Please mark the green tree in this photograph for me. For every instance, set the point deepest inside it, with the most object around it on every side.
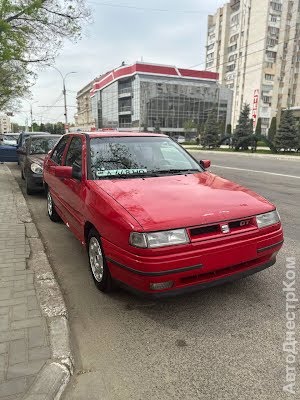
(189, 126)
(31, 33)
(243, 129)
(14, 82)
(49, 127)
(272, 130)
(258, 127)
(42, 127)
(228, 130)
(287, 134)
(210, 136)
(222, 132)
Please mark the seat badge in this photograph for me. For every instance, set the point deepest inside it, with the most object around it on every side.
(225, 228)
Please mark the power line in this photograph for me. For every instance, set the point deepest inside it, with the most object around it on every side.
(145, 8)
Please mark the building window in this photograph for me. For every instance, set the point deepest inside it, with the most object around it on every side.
(210, 56)
(211, 46)
(269, 77)
(230, 67)
(232, 48)
(274, 18)
(276, 6)
(267, 99)
(273, 31)
(235, 19)
(209, 64)
(269, 65)
(265, 121)
(232, 57)
(271, 54)
(234, 38)
(272, 42)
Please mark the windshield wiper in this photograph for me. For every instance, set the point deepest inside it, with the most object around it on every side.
(176, 171)
(129, 176)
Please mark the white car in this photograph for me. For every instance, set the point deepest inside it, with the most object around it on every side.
(180, 139)
(9, 140)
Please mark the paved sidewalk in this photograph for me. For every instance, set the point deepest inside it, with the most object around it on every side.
(25, 331)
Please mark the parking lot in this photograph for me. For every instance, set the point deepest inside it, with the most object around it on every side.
(221, 343)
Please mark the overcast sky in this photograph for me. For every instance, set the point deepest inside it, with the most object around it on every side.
(161, 31)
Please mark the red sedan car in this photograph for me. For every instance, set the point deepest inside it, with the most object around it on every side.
(154, 219)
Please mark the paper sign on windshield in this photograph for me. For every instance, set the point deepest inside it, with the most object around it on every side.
(115, 172)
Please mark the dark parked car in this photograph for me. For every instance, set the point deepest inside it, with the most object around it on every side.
(35, 149)
(21, 142)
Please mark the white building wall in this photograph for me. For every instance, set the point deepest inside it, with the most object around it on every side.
(5, 124)
(257, 54)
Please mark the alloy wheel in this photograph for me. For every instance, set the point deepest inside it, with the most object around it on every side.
(96, 259)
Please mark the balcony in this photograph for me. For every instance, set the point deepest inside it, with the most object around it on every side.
(125, 92)
(125, 110)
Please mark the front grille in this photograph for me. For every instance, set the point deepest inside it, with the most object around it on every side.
(215, 230)
(205, 230)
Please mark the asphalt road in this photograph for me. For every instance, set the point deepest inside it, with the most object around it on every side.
(223, 343)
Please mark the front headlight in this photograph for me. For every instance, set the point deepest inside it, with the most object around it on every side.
(267, 219)
(159, 239)
(36, 168)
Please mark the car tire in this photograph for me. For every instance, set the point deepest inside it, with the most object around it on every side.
(29, 189)
(98, 265)
(52, 214)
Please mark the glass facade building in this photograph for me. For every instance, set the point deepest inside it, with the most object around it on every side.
(152, 97)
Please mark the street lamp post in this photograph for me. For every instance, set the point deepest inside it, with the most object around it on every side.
(31, 113)
(64, 92)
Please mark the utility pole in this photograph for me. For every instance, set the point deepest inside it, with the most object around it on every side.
(64, 93)
(31, 118)
(65, 102)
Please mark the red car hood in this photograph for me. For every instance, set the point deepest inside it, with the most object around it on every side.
(182, 201)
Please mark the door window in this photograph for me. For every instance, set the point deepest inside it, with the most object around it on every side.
(74, 153)
(59, 150)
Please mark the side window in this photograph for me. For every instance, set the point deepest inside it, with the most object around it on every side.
(59, 150)
(74, 153)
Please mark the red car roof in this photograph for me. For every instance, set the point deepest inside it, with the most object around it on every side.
(120, 134)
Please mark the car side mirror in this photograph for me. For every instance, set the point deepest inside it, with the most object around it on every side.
(63, 172)
(76, 172)
(205, 164)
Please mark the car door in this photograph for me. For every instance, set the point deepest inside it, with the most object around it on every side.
(55, 184)
(74, 188)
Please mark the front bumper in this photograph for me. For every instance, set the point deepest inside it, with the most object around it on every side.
(204, 285)
(35, 181)
(194, 266)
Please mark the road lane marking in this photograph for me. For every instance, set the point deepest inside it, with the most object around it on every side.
(256, 171)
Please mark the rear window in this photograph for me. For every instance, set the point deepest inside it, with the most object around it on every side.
(42, 145)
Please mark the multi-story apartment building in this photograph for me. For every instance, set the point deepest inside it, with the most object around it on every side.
(5, 124)
(151, 96)
(254, 45)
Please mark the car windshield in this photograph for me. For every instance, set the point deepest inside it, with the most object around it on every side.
(42, 145)
(11, 137)
(125, 157)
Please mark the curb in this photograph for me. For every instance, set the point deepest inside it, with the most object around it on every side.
(52, 379)
(253, 155)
